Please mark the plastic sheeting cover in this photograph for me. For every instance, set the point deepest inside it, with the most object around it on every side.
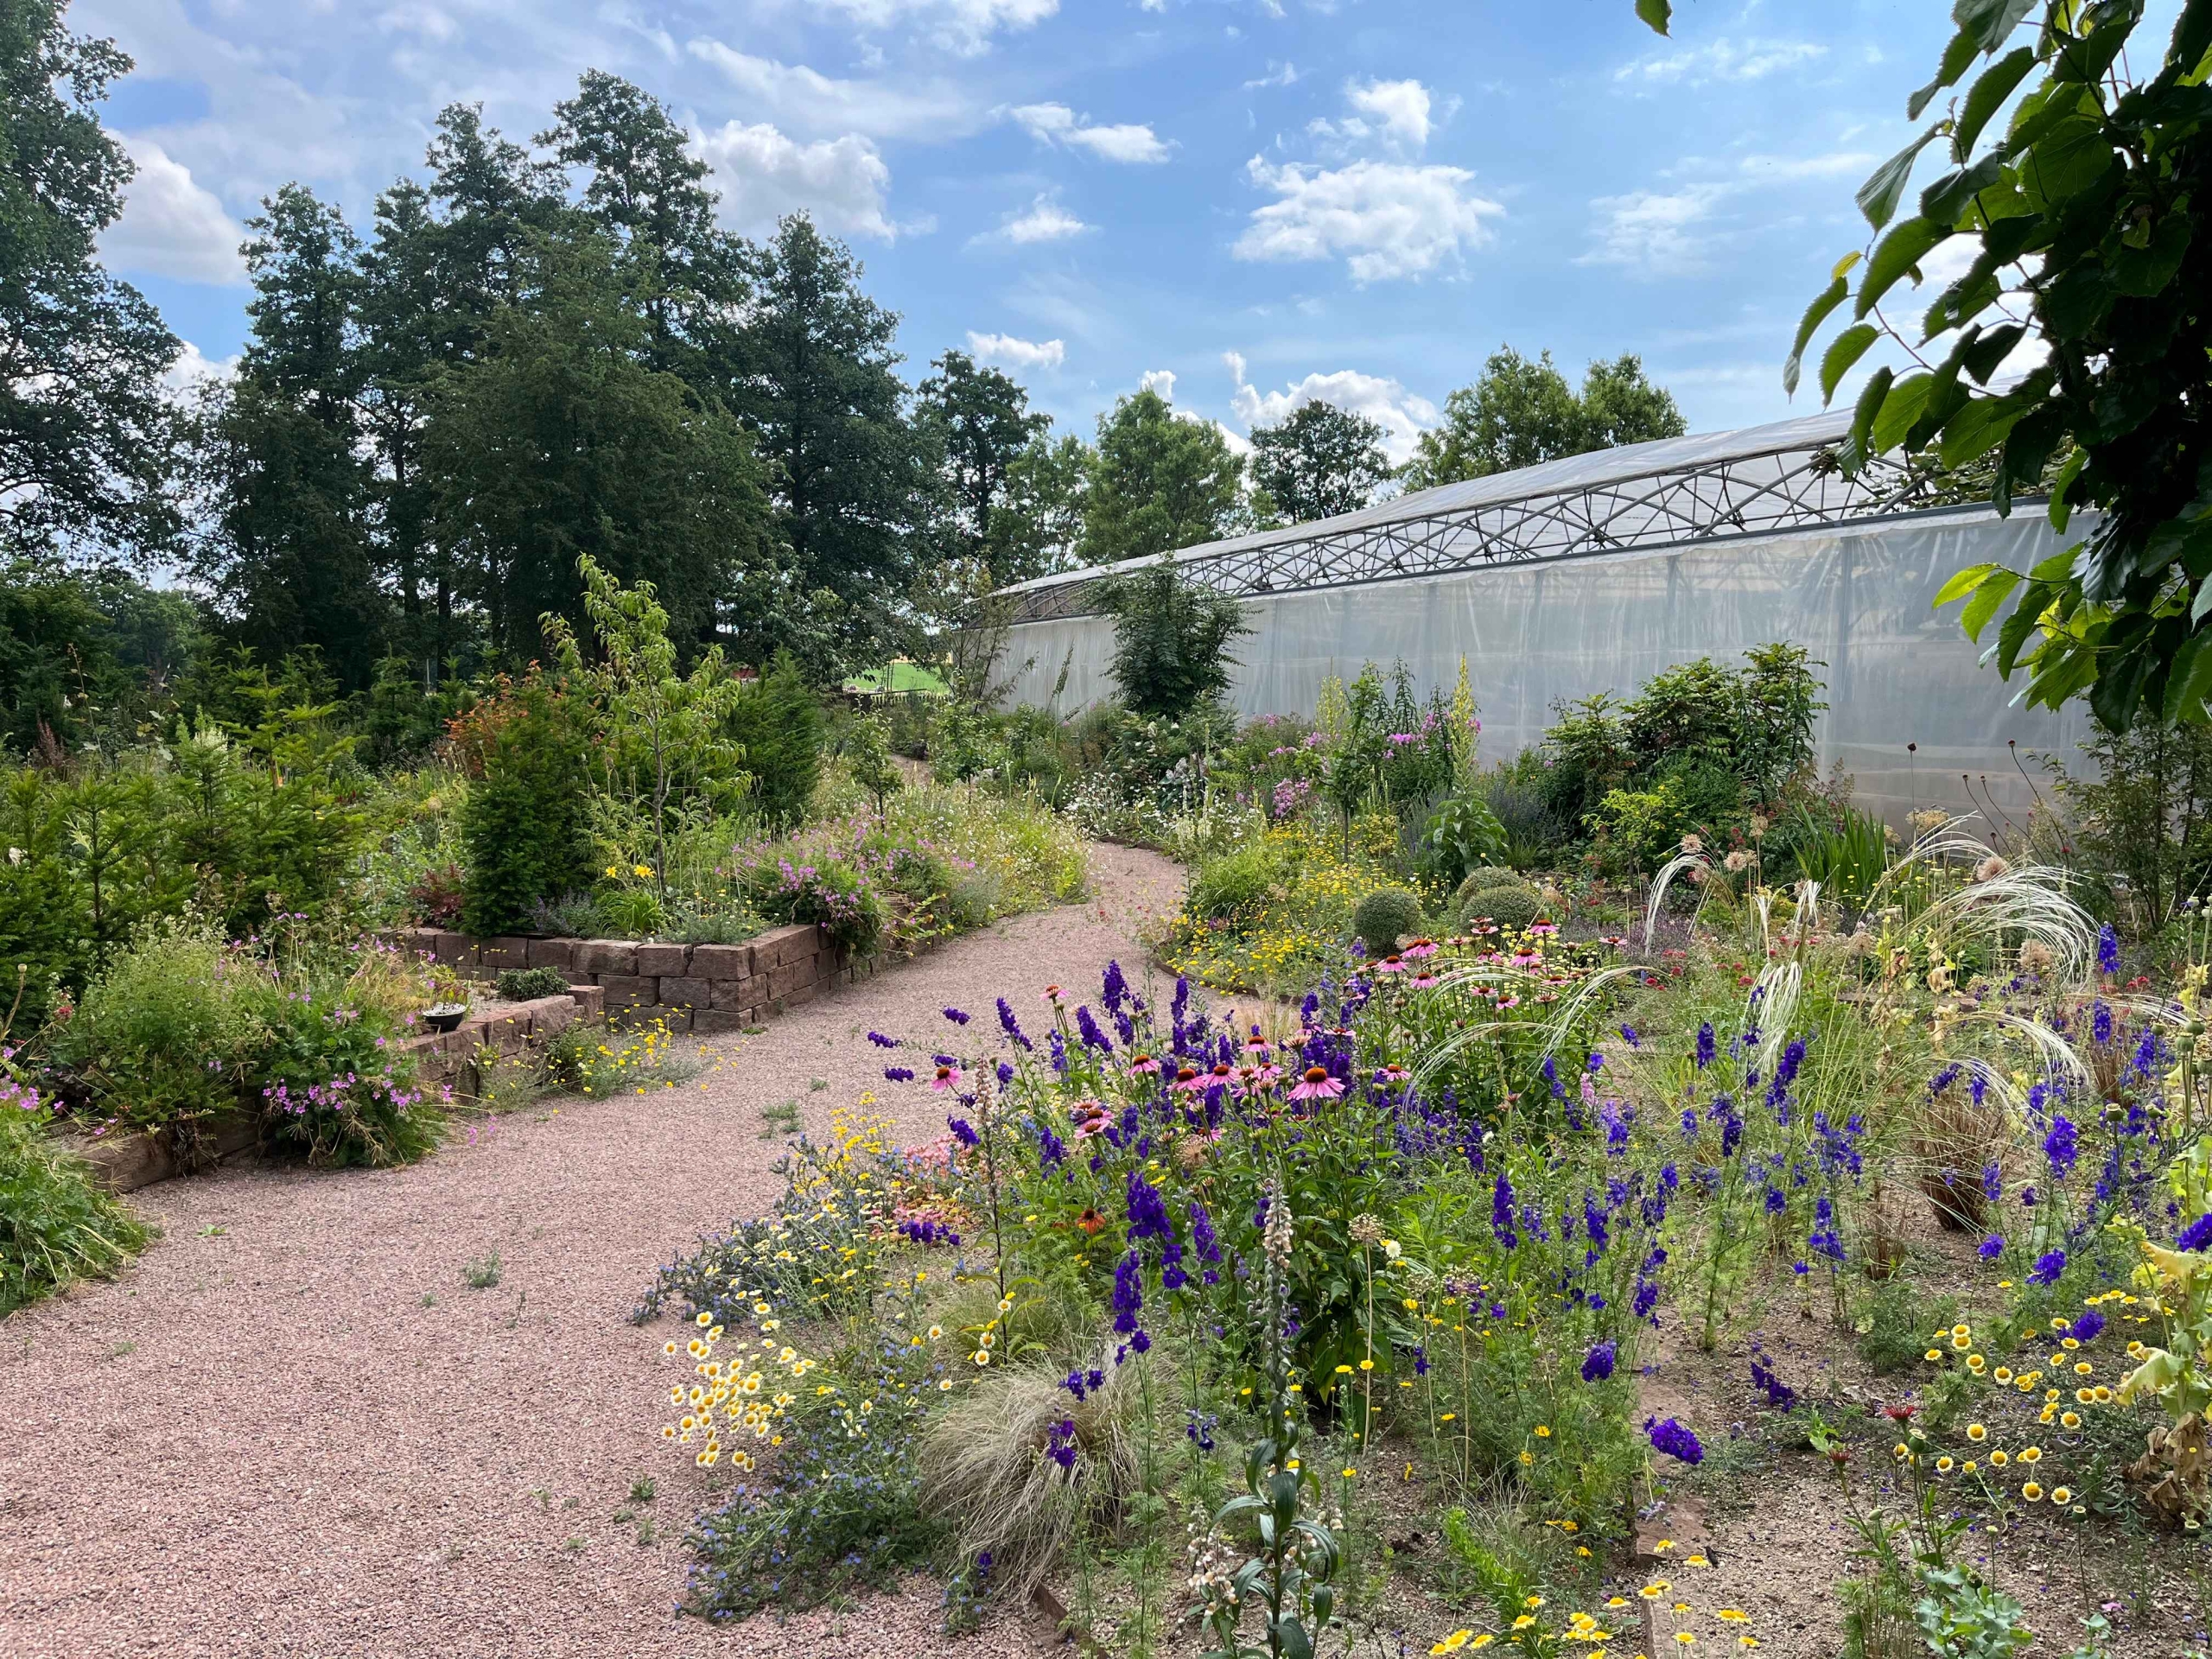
(1914, 716)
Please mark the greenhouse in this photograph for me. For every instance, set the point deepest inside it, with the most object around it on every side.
(1591, 573)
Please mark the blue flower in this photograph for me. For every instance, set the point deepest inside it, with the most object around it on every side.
(1086, 1026)
(1705, 1050)
(2196, 1236)
(1674, 1440)
(1598, 1363)
(1501, 1212)
(2062, 1147)
(2088, 1328)
(1129, 1293)
(2107, 950)
(1115, 986)
(1202, 1234)
(963, 1132)
(1629, 1036)
(1008, 1024)
(2047, 1268)
(956, 1016)
(898, 1074)
(1779, 1394)
(1992, 1247)
(882, 1041)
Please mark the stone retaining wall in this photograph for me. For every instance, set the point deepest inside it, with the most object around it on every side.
(707, 987)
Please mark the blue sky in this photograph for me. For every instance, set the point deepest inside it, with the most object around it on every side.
(1263, 199)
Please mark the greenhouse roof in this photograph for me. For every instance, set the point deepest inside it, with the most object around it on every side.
(1755, 479)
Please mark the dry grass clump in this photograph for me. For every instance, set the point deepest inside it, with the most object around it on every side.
(986, 1468)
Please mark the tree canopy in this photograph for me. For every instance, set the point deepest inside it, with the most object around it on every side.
(87, 441)
(1518, 413)
(1157, 482)
(1319, 461)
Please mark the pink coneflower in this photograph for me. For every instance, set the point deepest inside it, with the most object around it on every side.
(1144, 1064)
(948, 1077)
(1255, 1043)
(1422, 981)
(1187, 1080)
(1094, 1124)
(1317, 1084)
(1392, 1075)
(1542, 928)
(1220, 1073)
(1508, 1002)
(1052, 995)
(1421, 948)
(1391, 964)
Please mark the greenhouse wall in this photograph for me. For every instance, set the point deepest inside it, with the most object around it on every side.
(1914, 717)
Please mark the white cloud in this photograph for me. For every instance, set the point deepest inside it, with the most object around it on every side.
(1680, 232)
(1043, 220)
(1652, 234)
(1017, 353)
(1056, 123)
(1722, 60)
(1401, 414)
(193, 369)
(427, 23)
(963, 26)
(1390, 218)
(171, 225)
(763, 174)
(1159, 381)
(796, 96)
(1278, 74)
(1399, 107)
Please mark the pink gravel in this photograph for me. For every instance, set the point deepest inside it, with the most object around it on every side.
(292, 1429)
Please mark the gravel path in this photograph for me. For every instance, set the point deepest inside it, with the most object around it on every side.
(294, 1429)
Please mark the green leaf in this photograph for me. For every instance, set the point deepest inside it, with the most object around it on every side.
(1815, 315)
(1982, 359)
(2188, 681)
(2061, 510)
(2193, 34)
(1987, 598)
(2055, 569)
(1899, 410)
(2077, 302)
(1946, 201)
(1989, 21)
(1862, 417)
(2014, 636)
(1977, 429)
(1899, 252)
(1657, 13)
(2065, 161)
(2146, 270)
(1965, 582)
(1956, 55)
(1885, 186)
(1987, 95)
(1846, 349)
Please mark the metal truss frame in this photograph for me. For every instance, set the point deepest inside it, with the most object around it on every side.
(1799, 486)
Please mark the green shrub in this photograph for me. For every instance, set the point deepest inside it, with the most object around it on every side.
(1462, 833)
(523, 824)
(1482, 880)
(1171, 639)
(1384, 915)
(55, 1225)
(326, 1082)
(525, 984)
(1237, 884)
(163, 1037)
(778, 721)
(1514, 906)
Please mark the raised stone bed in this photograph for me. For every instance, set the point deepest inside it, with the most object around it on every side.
(706, 988)
(125, 1163)
(450, 1056)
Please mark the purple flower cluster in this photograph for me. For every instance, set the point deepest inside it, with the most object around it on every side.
(1673, 1439)
(1598, 1363)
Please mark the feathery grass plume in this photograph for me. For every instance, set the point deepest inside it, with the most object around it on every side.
(1672, 868)
(985, 1465)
